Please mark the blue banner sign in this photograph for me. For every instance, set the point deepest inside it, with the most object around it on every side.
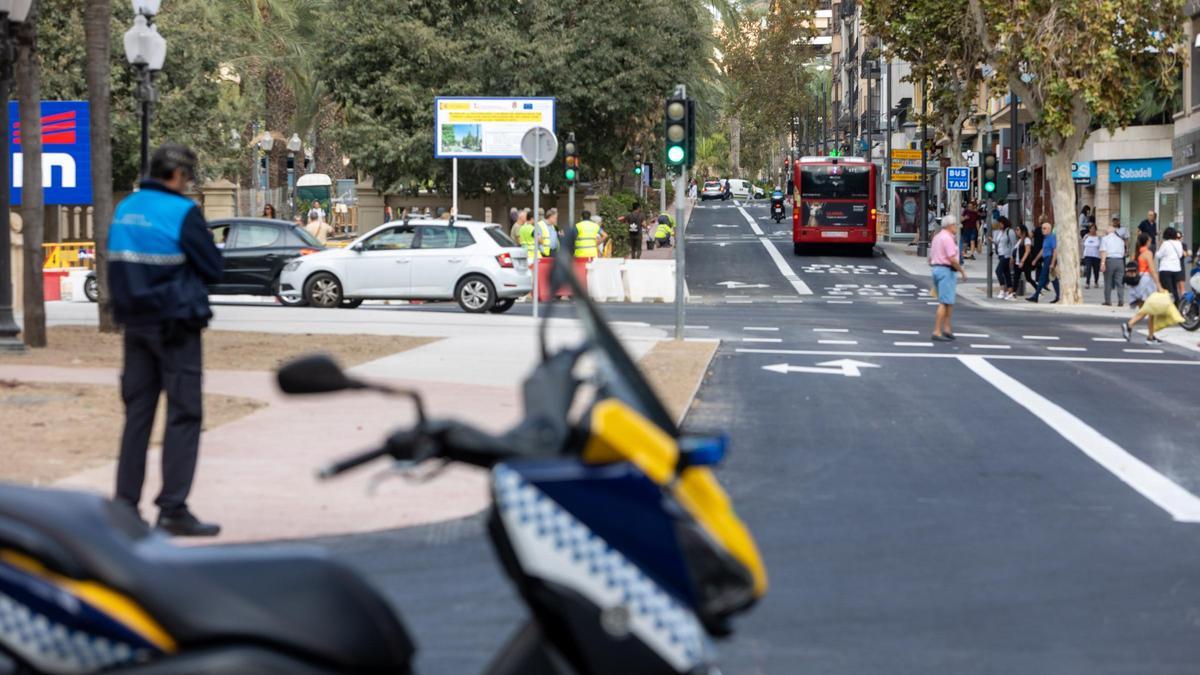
(66, 153)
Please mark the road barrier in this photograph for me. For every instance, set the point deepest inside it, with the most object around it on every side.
(69, 254)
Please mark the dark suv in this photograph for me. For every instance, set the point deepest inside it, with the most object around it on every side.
(255, 250)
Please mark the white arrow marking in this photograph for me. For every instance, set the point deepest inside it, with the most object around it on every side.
(846, 367)
(737, 284)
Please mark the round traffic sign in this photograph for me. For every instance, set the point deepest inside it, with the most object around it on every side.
(538, 147)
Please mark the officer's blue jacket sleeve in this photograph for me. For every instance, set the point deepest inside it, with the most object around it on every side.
(197, 243)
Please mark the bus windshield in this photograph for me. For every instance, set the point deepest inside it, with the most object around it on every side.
(835, 181)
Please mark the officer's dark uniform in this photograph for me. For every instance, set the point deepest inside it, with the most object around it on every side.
(161, 255)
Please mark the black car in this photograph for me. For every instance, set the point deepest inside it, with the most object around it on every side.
(255, 251)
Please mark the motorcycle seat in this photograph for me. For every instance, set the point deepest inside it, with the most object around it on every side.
(293, 598)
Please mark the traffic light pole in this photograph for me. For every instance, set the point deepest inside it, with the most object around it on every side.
(570, 206)
(680, 230)
(991, 242)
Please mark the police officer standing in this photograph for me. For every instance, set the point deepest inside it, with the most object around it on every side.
(161, 255)
(587, 238)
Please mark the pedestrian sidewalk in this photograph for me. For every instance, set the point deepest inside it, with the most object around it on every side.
(974, 289)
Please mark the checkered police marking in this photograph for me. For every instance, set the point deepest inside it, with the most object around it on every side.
(553, 545)
(52, 647)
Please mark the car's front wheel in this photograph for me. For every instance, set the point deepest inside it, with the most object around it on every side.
(91, 288)
(475, 294)
(323, 290)
(502, 306)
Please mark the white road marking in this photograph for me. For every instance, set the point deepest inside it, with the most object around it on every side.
(837, 342)
(739, 302)
(1066, 349)
(789, 302)
(736, 297)
(933, 303)
(1108, 340)
(990, 347)
(1038, 337)
(982, 336)
(997, 357)
(902, 332)
(831, 330)
(1183, 506)
(890, 302)
(784, 269)
(839, 302)
(762, 328)
(1142, 351)
(755, 339)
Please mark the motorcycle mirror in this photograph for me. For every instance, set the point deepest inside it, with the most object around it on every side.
(314, 374)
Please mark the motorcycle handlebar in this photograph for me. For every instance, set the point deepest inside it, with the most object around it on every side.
(453, 441)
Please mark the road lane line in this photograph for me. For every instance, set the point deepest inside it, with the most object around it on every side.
(890, 302)
(797, 283)
(982, 336)
(913, 344)
(754, 339)
(739, 302)
(901, 332)
(1108, 340)
(831, 330)
(837, 342)
(1183, 506)
(761, 328)
(1038, 337)
(1066, 349)
(990, 346)
(996, 357)
(789, 302)
(839, 302)
(1142, 351)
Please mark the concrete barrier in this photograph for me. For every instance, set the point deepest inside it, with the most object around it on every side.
(606, 280)
(650, 280)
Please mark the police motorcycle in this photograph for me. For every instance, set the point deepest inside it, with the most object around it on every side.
(1189, 303)
(605, 516)
(777, 205)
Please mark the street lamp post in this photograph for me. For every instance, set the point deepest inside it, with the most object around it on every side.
(265, 143)
(293, 146)
(11, 12)
(146, 51)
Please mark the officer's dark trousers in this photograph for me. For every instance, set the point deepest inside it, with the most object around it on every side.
(157, 359)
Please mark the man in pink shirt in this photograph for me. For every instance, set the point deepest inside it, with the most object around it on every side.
(943, 260)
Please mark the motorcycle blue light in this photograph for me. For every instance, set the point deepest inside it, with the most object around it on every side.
(703, 450)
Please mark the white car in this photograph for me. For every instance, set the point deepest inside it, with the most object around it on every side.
(711, 190)
(474, 263)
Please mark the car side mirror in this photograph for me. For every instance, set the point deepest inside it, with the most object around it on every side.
(357, 247)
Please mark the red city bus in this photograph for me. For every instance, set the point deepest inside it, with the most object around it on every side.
(834, 202)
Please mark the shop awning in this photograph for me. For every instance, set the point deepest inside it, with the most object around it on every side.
(1182, 172)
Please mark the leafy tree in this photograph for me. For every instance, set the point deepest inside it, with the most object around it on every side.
(949, 65)
(1077, 64)
(712, 155)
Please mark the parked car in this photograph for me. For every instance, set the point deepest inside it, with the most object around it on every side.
(712, 190)
(473, 263)
(255, 251)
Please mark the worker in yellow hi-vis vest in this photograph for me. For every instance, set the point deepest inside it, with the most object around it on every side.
(587, 238)
(526, 239)
(664, 231)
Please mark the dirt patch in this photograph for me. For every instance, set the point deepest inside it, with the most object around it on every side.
(675, 370)
(85, 347)
(54, 430)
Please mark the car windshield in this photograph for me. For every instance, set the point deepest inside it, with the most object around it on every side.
(500, 237)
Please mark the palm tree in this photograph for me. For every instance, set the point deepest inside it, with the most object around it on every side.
(96, 17)
(29, 94)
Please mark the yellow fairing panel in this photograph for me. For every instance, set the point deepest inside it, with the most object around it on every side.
(119, 607)
(620, 434)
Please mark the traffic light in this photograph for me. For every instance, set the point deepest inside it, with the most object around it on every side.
(679, 127)
(989, 173)
(571, 159)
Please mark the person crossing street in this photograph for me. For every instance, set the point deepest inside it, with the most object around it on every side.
(161, 254)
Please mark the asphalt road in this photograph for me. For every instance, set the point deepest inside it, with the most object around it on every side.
(1021, 500)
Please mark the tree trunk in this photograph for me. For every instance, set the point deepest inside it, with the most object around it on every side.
(954, 197)
(1062, 192)
(96, 17)
(280, 115)
(29, 95)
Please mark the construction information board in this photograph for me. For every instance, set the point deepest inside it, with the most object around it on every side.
(487, 128)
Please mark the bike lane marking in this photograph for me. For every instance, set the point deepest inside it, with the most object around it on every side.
(797, 283)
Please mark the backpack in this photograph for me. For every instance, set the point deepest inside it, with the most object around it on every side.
(1132, 276)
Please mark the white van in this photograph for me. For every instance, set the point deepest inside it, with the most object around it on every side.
(744, 189)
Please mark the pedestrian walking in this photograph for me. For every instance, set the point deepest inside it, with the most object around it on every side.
(943, 262)
(1150, 227)
(519, 218)
(316, 210)
(1112, 264)
(970, 230)
(1004, 242)
(269, 212)
(1085, 216)
(633, 221)
(160, 256)
(1170, 260)
(1091, 257)
(388, 215)
(1022, 258)
(1047, 261)
(319, 229)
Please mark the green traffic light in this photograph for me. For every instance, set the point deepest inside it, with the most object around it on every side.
(637, 170)
(989, 186)
(570, 174)
(675, 154)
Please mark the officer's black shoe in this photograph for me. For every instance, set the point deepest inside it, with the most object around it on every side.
(185, 524)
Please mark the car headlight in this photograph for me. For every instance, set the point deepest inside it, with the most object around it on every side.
(292, 266)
